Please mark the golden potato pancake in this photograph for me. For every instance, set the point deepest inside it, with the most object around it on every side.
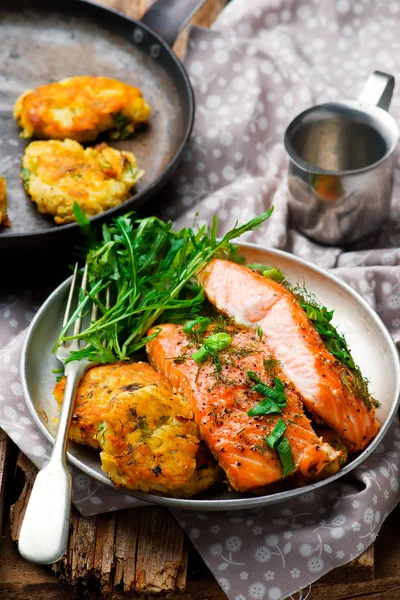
(4, 221)
(98, 386)
(149, 442)
(81, 108)
(147, 434)
(58, 174)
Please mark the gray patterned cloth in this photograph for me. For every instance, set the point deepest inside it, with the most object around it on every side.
(262, 63)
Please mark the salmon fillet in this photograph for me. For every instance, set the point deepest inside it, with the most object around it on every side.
(221, 400)
(322, 381)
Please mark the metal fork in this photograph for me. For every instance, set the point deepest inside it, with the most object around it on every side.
(44, 533)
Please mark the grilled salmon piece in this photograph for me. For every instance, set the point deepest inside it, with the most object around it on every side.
(221, 400)
(325, 384)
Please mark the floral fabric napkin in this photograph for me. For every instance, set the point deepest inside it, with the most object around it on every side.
(262, 63)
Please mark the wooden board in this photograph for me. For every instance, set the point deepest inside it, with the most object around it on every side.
(139, 552)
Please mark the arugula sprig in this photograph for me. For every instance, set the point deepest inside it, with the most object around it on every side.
(149, 270)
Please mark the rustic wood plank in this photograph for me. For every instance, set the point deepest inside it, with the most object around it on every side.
(359, 569)
(161, 555)
(379, 589)
(104, 553)
(111, 550)
(76, 567)
(5, 445)
(125, 549)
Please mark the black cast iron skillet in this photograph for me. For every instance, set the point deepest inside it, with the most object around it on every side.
(44, 41)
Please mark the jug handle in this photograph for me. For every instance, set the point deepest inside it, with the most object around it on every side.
(378, 90)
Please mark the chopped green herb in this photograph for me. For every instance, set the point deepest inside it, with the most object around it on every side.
(274, 437)
(260, 448)
(266, 407)
(123, 125)
(271, 272)
(286, 456)
(256, 267)
(25, 176)
(101, 430)
(201, 355)
(220, 323)
(182, 358)
(260, 333)
(133, 171)
(196, 326)
(142, 424)
(212, 345)
(274, 274)
(218, 342)
(277, 393)
(275, 398)
(59, 377)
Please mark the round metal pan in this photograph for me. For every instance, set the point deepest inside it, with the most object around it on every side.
(44, 41)
(369, 340)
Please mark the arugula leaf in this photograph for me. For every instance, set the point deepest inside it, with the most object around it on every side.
(149, 271)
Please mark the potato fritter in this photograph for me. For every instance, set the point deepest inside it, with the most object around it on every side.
(57, 174)
(149, 442)
(81, 108)
(3, 204)
(98, 386)
(147, 434)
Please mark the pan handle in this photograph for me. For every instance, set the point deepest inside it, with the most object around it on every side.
(168, 17)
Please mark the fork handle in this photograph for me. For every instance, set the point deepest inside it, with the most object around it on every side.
(44, 532)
